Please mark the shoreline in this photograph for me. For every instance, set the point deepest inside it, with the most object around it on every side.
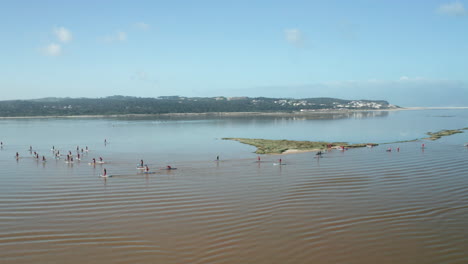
(240, 114)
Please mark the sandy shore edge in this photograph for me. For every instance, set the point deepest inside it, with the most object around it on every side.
(239, 114)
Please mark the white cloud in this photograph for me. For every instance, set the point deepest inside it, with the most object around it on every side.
(452, 9)
(52, 49)
(63, 35)
(142, 26)
(118, 36)
(404, 78)
(294, 36)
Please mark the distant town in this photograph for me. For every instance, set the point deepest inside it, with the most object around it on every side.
(124, 105)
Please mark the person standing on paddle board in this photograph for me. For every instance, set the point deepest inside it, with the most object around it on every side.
(146, 168)
(141, 163)
(105, 172)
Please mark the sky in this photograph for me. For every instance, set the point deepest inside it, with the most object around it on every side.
(411, 53)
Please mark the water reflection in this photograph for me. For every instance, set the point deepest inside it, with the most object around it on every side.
(257, 117)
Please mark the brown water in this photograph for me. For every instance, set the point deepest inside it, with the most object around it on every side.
(358, 206)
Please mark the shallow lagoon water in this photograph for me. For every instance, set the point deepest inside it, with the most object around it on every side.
(358, 206)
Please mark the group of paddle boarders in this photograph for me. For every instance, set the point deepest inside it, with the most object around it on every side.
(144, 167)
(140, 166)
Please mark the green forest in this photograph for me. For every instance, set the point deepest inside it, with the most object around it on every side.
(122, 105)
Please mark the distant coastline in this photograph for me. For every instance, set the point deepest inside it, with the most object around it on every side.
(118, 106)
(240, 114)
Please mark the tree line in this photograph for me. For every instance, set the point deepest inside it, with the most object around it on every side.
(122, 105)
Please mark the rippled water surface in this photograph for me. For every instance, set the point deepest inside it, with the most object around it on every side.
(357, 206)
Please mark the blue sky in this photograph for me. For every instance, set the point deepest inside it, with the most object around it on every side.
(408, 52)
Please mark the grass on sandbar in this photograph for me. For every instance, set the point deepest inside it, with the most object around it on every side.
(443, 133)
(267, 146)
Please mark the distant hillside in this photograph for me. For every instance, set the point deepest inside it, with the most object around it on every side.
(121, 105)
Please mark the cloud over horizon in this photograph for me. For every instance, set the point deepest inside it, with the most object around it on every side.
(294, 36)
(62, 34)
(452, 9)
(52, 49)
(142, 26)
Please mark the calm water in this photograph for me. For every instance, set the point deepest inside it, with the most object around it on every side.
(358, 206)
